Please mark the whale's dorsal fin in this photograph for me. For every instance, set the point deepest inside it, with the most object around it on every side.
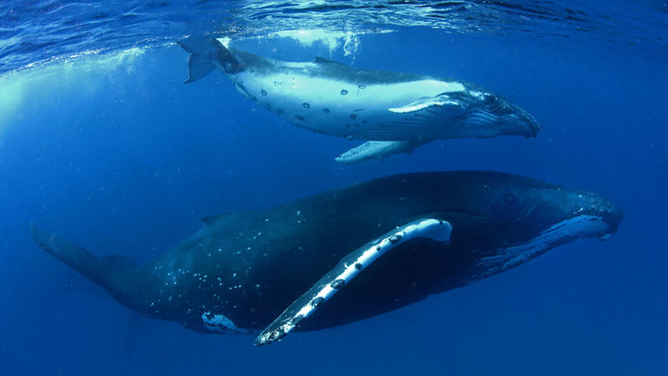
(322, 60)
(347, 269)
(209, 219)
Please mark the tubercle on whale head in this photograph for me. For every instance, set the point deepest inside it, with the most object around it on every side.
(516, 119)
(491, 115)
(562, 205)
(529, 208)
(534, 127)
(537, 217)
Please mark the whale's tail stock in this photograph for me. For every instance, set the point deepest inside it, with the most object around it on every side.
(98, 270)
(206, 55)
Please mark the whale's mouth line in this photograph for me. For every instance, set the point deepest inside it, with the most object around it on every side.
(566, 231)
(482, 117)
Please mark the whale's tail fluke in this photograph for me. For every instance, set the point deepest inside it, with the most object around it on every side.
(98, 270)
(206, 55)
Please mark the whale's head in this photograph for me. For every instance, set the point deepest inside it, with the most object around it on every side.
(496, 115)
(512, 219)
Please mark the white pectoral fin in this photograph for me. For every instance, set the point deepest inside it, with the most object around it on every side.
(378, 150)
(442, 101)
(347, 269)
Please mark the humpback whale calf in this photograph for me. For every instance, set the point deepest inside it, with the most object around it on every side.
(396, 112)
(346, 254)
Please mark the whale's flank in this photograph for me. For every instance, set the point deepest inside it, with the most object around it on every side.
(402, 109)
(240, 271)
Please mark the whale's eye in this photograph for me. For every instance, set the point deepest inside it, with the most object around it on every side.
(510, 198)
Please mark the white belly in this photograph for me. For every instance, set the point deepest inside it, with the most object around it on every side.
(342, 108)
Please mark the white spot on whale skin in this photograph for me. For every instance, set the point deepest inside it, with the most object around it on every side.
(221, 324)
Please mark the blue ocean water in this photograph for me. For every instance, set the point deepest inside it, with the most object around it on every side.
(101, 142)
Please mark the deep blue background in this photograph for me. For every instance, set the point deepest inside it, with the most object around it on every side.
(121, 157)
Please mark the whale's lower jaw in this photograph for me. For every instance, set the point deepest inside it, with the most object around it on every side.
(579, 227)
(379, 124)
(415, 132)
(385, 126)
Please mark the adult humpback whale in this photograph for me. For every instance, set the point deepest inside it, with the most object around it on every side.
(382, 244)
(397, 112)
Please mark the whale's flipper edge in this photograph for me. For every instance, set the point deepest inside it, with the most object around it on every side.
(348, 268)
(119, 262)
(378, 150)
(322, 60)
(441, 101)
(98, 270)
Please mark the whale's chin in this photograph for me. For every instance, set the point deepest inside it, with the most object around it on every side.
(564, 232)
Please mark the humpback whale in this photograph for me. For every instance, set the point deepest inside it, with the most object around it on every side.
(346, 254)
(396, 112)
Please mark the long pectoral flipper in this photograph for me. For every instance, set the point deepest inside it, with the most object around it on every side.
(378, 150)
(347, 269)
(442, 102)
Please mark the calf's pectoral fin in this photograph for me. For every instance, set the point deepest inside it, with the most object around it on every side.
(378, 150)
(347, 269)
(442, 102)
